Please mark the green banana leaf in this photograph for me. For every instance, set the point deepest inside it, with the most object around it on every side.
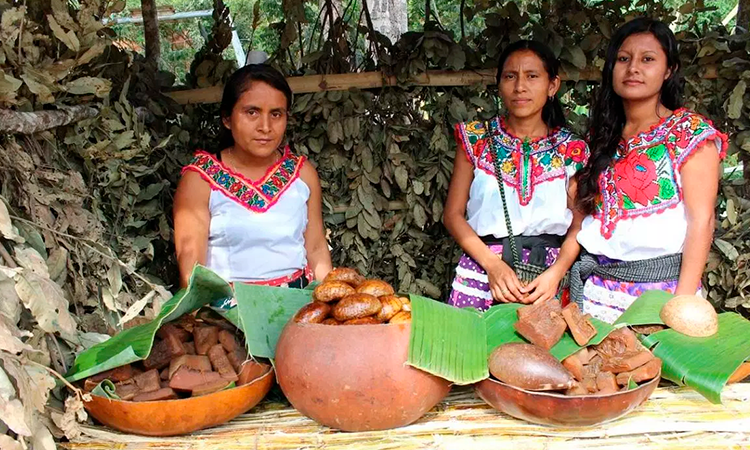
(645, 309)
(134, 344)
(704, 364)
(262, 313)
(455, 344)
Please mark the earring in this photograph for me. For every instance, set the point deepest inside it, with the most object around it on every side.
(551, 98)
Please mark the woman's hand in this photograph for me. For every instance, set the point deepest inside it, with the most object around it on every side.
(543, 287)
(504, 284)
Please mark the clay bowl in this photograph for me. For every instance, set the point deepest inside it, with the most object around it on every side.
(354, 377)
(175, 417)
(561, 410)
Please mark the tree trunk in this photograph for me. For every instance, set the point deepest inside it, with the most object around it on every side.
(389, 17)
(151, 32)
(743, 17)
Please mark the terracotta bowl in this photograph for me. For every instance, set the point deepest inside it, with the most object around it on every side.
(174, 417)
(562, 410)
(354, 377)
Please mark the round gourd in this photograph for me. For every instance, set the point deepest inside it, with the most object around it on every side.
(690, 315)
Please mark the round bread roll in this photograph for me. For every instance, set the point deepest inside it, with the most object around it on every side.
(345, 274)
(377, 288)
(391, 306)
(332, 290)
(314, 312)
(369, 320)
(401, 317)
(330, 321)
(356, 306)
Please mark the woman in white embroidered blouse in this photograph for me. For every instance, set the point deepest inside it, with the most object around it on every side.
(538, 158)
(650, 186)
(252, 212)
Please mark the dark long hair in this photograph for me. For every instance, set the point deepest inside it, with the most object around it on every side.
(238, 83)
(607, 117)
(552, 113)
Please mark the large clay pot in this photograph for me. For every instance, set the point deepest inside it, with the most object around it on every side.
(354, 377)
(561, 410)
(174, 417)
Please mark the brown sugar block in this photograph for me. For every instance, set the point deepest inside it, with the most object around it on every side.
(180, 333)
(251, 370)
(89, 385)
(589, 383)
(186, 379)
(578, 389)
(189, 348)
(574, 366)
(606, 381)
(648, 329)
(619, 342)
(648, 371)
(627, 362)
(148, 381)
(163, 352)
(115, 375)
(160, 394)
(200, 363)
(127, 389)
(236, 358)
(164, 374)
(221, 363)
(580, 327)
(541, 323)
(228, 341)
(210, 387)
(205, 338)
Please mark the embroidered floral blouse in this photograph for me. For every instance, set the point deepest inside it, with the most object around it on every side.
(535, 174)
(257, 228)
(640, 213)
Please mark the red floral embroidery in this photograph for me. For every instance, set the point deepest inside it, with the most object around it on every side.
(235, 188)
(635, 176)
(576, 151)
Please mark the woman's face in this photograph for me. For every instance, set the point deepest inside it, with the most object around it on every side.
(525, 85)
(640, 68)
(258, 120)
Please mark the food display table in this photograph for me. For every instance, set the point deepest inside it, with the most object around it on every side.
(673, 418)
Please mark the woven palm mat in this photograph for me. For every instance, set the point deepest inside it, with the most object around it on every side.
(673, 418)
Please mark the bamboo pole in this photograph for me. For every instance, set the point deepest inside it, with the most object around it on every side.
(373, 80)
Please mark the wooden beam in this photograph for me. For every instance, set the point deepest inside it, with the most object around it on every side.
(374, 80)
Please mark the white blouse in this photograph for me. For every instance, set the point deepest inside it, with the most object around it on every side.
(535, 174)
(257, 229)
(641, 213)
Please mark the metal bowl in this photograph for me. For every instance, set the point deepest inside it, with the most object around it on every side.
(354, 377)
(175, 417)
(562, 410)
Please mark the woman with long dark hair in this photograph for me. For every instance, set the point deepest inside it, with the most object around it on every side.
(535, 157)
(649, 188)
(252, 212)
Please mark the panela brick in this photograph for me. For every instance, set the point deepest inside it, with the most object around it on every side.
(618, 342)
(115, 375)
(186, 379)
(647, 371)
(627, 362)
(189, 348)
(574, 366)
(606, 382)
(228, 341)
(580, 327)
(221, 363)
(210, 387)
(236, 358)
(161, 394)
(163, 352)
(180, 333)
(251, 370)
(127, 389)
(205, 338)
(541, 323)
(148, 381)
(196, 362)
